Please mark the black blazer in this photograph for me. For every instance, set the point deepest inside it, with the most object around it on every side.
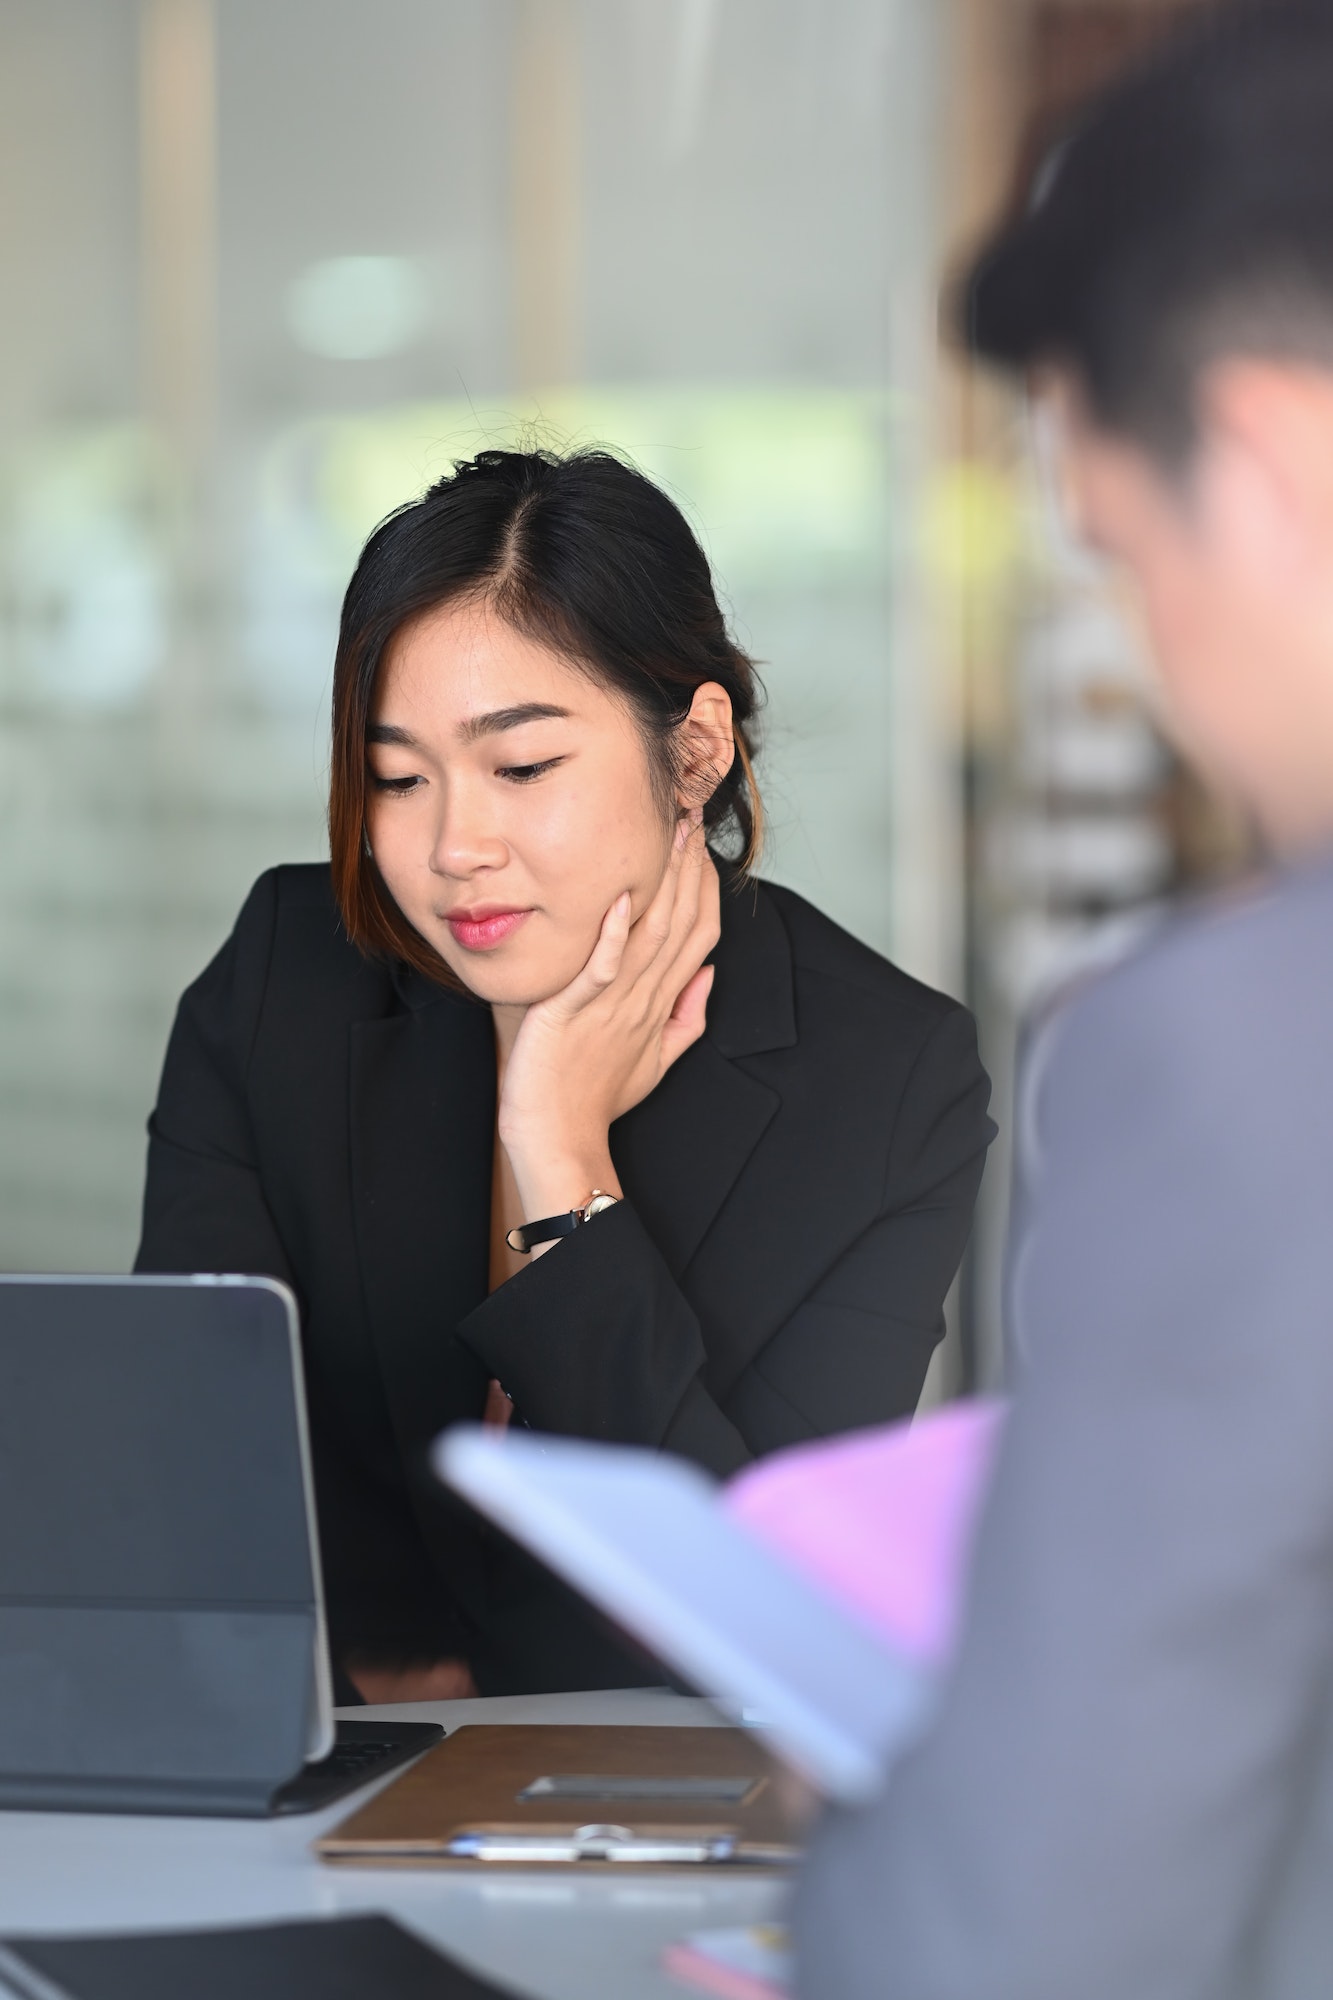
(798, 1188)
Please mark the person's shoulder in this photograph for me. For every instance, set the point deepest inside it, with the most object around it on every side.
(1230, 992)
(291, 885)
(1252, 949)
(290, 933)
(823, 951)
(302, 884)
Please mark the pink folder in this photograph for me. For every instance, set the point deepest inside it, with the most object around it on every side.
(883, 1519)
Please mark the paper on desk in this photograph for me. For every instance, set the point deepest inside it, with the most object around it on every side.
(884, 1518)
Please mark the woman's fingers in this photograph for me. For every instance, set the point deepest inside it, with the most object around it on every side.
(688, 1017)
(655, 930)
(695, 861)
(696, 939)
(689, 860)
(604, 960)
(668, 943)
(709, 910)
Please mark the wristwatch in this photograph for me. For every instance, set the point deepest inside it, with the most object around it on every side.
(529, 1234)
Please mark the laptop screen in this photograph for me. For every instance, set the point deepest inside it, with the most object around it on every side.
(150, 1444)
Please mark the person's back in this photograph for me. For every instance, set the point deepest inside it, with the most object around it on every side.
(1130, 1790)
(1127, 1791)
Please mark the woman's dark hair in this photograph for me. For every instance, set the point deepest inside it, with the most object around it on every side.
(581, 553)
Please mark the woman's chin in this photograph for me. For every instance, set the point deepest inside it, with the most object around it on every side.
(507, 981)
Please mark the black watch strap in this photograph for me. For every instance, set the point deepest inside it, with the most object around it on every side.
(529, 1234)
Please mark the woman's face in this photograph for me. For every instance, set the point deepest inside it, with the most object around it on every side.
(509, 802)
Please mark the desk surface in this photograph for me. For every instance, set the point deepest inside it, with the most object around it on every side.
(554, 1936)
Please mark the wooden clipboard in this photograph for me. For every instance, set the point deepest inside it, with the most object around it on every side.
(566, 1795)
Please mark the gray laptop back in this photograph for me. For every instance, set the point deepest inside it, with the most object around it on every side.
(161, 1642)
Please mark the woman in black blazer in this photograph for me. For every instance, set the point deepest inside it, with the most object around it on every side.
(697, 1177)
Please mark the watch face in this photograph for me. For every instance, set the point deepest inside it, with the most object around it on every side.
(598, 1203)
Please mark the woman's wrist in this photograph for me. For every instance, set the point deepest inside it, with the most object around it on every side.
(554, 1183)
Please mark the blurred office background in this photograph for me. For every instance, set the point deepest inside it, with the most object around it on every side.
(270, 265)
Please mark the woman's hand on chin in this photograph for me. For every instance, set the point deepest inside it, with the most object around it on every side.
(587, 1055)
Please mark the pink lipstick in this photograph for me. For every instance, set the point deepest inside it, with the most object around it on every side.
(484, 928)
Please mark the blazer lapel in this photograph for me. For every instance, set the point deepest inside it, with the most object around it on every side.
(681, 1151)
(422, 1133)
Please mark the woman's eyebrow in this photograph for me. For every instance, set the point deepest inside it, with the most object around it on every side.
(500, 719)
(492, 723)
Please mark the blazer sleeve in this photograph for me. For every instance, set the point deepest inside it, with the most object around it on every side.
(631, 1366)
(857, 1349)
(1101, 1804)
(597, 1340)
(204, 1209)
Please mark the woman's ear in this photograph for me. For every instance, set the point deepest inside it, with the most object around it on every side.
(707, 745)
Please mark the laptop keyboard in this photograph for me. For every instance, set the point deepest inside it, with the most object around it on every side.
(362, 1751)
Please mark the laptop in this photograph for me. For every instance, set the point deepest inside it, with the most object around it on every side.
(162, 1634)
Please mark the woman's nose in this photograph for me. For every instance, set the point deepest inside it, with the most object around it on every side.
(466, 837)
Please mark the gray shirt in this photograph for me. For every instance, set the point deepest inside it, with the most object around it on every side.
(1127, 1791)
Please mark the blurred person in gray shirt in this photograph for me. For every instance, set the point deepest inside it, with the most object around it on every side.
(1126, 1792)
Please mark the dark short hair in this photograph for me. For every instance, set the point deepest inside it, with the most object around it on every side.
(580, 552)
(1187, 214)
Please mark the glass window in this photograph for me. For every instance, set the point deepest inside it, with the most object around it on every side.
(270, 269)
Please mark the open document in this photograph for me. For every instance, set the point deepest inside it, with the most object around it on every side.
(815, 1597)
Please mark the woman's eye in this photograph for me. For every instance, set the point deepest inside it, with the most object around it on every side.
(396, 785)
(523, 774)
